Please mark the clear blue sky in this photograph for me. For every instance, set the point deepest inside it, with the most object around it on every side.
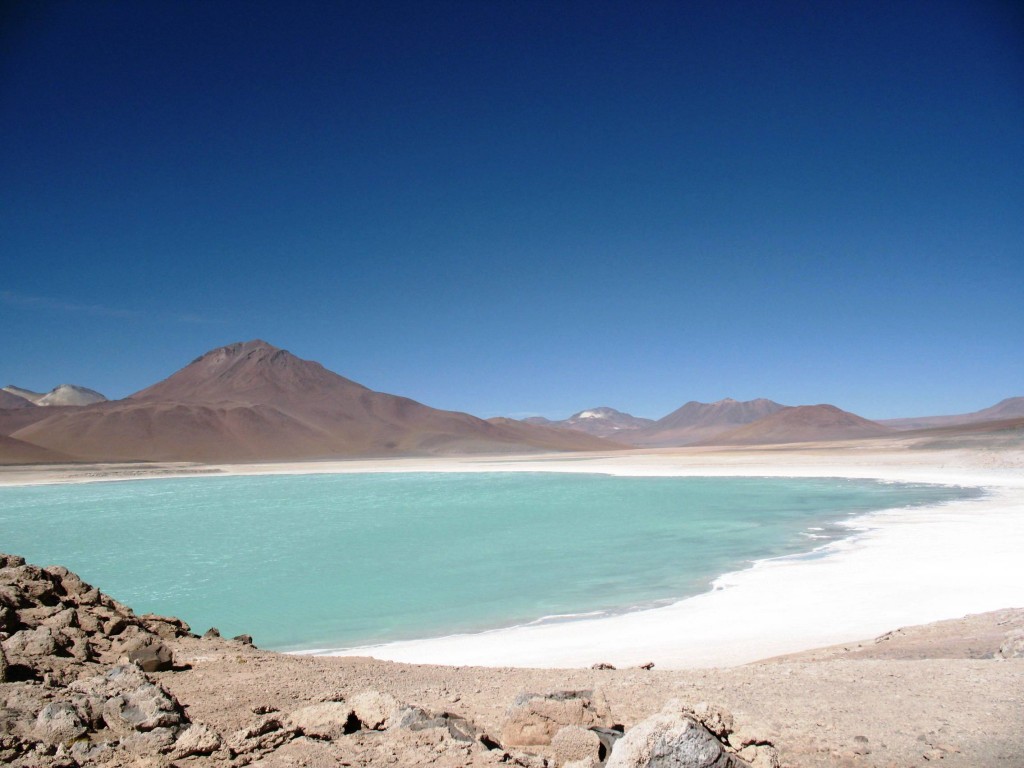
(517, 207)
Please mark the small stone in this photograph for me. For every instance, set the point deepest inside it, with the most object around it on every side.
(648, 666)
(32, 642)
(211, 633)
(150, 653)
(670, 740)
(59, 723)
(761, 756)
(1012, 646)
(574, 743)
(243, 639)
(716, 719)
(534, 719)
(63, 619)
(197, 739)
(327, 720)
(603, 665)
(374, 709)
(933, 754)
(114, 626)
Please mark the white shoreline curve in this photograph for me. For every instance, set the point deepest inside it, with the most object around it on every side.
(900, 567)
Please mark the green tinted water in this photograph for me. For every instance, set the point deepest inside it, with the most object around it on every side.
(317, 561)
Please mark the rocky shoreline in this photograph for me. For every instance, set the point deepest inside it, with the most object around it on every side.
(86, 681)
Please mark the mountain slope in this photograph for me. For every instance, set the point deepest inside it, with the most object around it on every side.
(696, 422)
(17, 452)
(28, 394)
(1010, 408)
(251, 402)
(601, 422)
(804, 423)
(71, 394)
(10, 400)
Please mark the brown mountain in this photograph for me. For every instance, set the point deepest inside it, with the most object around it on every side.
(1010, 408)
(252, 402)
(17, 452)
(9, 400)
(601, 422)
(698, 422)
(802, 424)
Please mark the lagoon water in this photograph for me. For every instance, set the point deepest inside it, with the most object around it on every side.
(331, 561)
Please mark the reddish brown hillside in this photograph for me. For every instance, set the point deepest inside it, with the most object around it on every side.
(696, 422)
(252, 401)
(7, 400)
(17, 452)
(804, 423)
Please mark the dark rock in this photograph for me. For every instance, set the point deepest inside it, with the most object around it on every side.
(211, 633)
(670, 740)
(244, 639)
(114, 626)
(603, 665)
(150, 653)
(3, 666)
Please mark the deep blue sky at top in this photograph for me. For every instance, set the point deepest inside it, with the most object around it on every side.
(517, 207)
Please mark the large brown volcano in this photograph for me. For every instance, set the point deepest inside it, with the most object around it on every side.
(804, 423)
(252, 401)
(696, 422)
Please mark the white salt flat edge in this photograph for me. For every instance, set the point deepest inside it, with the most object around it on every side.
(899, 567)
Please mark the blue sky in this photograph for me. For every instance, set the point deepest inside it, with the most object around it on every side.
(516, 208)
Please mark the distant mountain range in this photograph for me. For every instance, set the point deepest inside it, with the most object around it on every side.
(1010, 408)
(602, 422)
(63, 394)
(697, 422)
(761, 421)
(252, 402)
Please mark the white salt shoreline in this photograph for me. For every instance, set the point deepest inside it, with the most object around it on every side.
(901, 567)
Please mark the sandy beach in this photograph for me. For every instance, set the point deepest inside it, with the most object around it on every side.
(897, 567)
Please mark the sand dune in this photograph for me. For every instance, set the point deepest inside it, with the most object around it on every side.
(252, 401)
(804, 423)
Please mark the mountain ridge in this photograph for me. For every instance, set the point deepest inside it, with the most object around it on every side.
(251, 401)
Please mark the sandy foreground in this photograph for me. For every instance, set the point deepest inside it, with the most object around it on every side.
(898, 567)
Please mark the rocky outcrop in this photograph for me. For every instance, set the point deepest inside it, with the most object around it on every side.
(702, 735)
(534, 718)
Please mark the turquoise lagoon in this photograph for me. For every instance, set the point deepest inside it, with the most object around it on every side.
(331, 561)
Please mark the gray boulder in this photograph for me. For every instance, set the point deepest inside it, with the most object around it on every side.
(1012, 646)
(671, 740)
(59, 723)
(126, 701)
